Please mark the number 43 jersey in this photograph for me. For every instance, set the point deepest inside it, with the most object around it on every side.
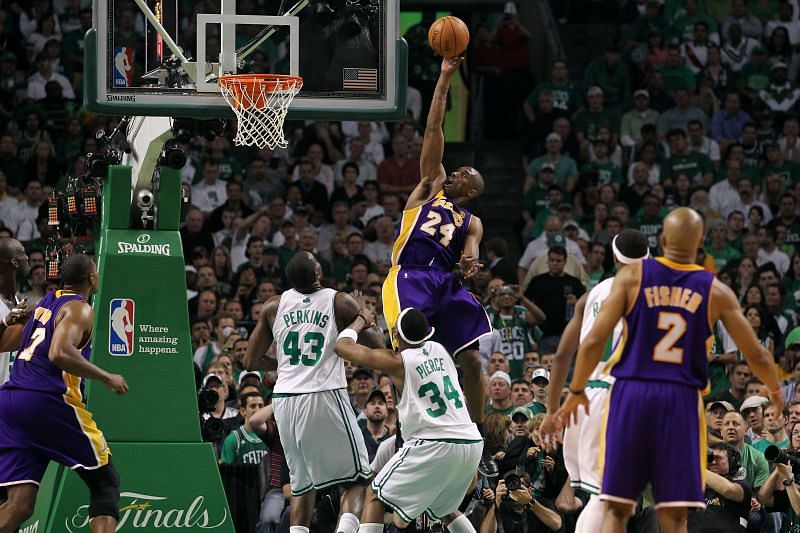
(305, 334)
(667, 335)
(432, 405)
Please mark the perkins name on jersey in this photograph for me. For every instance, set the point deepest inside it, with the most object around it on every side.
(306, 316)
(661, 295)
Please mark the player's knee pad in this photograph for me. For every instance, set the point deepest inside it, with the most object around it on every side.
(103, 484)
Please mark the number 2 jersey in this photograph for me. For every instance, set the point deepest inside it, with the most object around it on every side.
(32, 369)
(667, 335)
(432, 235)
(305, 334)
(432, 405)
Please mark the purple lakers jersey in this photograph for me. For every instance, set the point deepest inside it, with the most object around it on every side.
(32, 368)
(432, 235)
(667, 335)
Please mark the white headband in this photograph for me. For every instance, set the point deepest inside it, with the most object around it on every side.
(403, 336)
(622, 258)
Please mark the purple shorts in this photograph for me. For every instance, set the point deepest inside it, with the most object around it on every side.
(39, 427)
(655, 433)
(459, 318)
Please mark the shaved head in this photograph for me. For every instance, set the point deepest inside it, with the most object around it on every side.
(303, 271)
(476, 180)
(683, 232)
(13, 257)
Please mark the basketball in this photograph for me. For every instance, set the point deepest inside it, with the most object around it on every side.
(448, 36)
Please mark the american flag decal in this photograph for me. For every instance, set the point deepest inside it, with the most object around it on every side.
(360, 79)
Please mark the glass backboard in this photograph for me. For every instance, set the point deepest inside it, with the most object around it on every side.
(163, 57)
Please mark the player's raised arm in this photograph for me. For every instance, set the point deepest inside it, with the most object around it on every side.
(431, 171)
(380, 359)
(261, 338)
(73, 327)
(725, 307)
(567, 347)
(347, 310)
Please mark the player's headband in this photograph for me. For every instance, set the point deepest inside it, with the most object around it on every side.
(622, 258)
(400, 332)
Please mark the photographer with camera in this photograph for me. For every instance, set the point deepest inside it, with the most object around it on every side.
(780, 492)
(515, 504)
(727, 493)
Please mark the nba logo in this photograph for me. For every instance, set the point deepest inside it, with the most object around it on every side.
(123, 66)
(120, 327)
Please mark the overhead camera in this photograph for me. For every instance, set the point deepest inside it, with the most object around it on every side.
(144, 199)
(184, 129)
(172, 155)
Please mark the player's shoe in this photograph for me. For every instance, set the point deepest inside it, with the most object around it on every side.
(488, 467)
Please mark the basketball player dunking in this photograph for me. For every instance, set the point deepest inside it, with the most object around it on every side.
(436, 234)
(654, 422)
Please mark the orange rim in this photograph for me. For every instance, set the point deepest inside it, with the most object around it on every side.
(239, 84)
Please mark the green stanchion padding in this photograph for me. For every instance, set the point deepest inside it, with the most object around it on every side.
(170, 478)
(173, 487)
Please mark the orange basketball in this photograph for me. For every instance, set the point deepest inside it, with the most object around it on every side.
(448, 36)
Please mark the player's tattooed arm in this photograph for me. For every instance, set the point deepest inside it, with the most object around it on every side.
(261, 338)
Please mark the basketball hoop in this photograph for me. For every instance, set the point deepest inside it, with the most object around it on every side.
(260, 102)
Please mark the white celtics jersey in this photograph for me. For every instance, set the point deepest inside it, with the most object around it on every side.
(432, 405)
(5, 357)
(305, 334)
(594, 300)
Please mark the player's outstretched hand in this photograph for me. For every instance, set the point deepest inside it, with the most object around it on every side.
(469, 266)
(568, 413)
(551, 430)
(450, 65)
(116, 384)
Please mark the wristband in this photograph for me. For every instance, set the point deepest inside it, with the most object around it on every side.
(4, 321)
(348, 333)
(788, 482)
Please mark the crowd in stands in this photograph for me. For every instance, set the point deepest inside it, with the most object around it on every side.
(696, 105)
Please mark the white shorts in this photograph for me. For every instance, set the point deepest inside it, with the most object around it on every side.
(428, 475)
(321, 440)
(582, 443)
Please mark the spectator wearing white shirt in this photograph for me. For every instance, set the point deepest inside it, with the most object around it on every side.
(725, 194)
(210, 193)
(7, 202)
(379, 252)
(373, 149)
(769, 252)
(695, 52)
(44, 73)
(738, 48)
(699, 142)
(789, 144)
(750, 24)
(22, 219)
(372, 208)
(787, 20)
(540, 246)
(747, 200)
(29, 18)
(366, 170)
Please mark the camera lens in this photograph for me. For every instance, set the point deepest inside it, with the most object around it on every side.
(513, 482)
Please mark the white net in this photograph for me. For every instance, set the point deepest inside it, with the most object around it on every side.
(260, 104)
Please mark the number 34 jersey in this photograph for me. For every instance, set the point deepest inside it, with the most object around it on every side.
(667, 335)
(432, 235)
(305, 334)
(432, 405)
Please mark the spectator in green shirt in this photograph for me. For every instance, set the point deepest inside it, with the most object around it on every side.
(595, 115)
(675, 72)
(683, 161)
(565, 167)
(567, 95)
(611, 75)
(633, 120)
(755, 75)
(733, 429)
(242, 445)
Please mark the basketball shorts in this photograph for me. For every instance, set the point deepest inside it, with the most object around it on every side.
(427, 476)
(321, 440)
(39, 427)
(459, 318)
(655, 432)
(582, 440)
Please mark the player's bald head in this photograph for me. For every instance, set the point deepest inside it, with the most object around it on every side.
(476, 180)
(10, 248)
(301, 270)
(683, 231)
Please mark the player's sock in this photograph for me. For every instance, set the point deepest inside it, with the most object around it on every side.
(298, 529)
(370, 528)
(348, 523)
(591, 518)
(461, 525)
